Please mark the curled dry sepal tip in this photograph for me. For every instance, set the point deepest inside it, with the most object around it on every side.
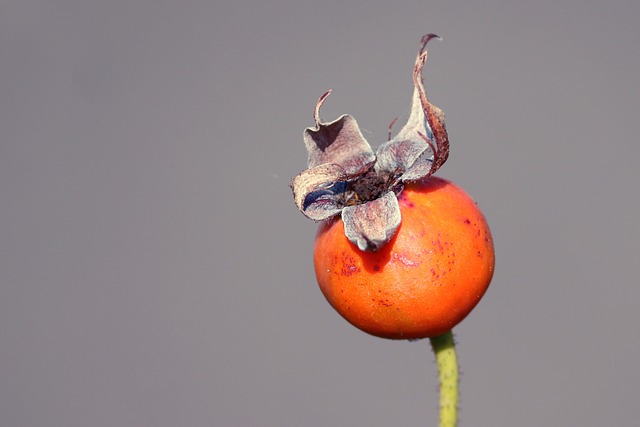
(346, 177)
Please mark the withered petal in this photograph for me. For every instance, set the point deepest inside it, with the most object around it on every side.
(339, 142)
(373, 224)
(316, 191)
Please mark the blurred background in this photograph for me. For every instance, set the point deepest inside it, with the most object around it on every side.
(155, 271)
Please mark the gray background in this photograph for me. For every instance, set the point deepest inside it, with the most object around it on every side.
(155, 272)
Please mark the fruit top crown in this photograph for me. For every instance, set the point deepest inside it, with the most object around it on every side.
(346, 177)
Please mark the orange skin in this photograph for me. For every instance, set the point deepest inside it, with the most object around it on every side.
(422, 283)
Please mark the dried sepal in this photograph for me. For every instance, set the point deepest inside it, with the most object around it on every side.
(411, 154)
(314, 191)
(404, 159)
(339, 142)
(434, 115)
(371, 225)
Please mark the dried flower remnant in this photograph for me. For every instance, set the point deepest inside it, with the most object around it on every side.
(346, 177)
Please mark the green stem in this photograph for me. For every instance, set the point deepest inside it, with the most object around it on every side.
(445, 351)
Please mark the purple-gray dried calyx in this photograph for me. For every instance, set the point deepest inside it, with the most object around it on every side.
(346, 177)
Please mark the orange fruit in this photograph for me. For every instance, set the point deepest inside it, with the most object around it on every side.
(422, 283)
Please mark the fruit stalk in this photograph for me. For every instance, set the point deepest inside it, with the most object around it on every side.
(445, 352)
